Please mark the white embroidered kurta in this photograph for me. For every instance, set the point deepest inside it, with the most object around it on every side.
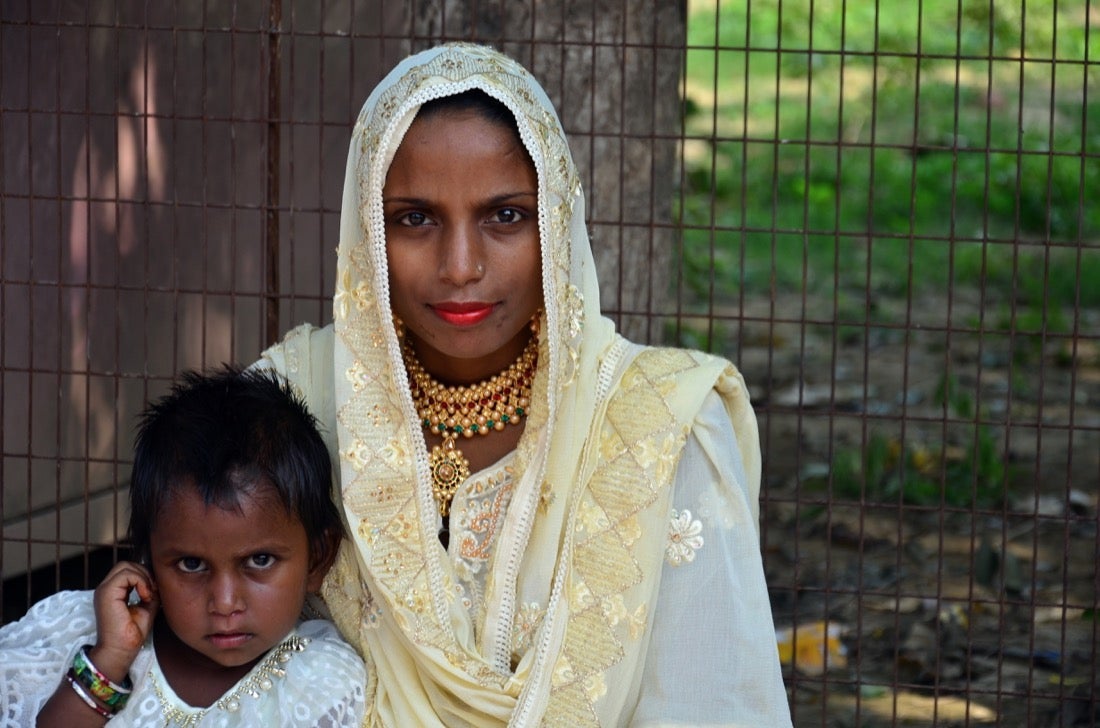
(607, 572)
(322, 684)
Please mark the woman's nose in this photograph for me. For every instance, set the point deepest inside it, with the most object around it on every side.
(461, 257)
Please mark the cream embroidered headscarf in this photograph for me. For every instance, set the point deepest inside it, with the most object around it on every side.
(567, 543)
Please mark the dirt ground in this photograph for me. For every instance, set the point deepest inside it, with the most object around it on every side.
(946, 616)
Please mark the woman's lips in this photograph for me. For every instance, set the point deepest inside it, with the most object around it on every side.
(463, 314)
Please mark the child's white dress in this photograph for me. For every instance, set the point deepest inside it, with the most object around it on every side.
(313, 678)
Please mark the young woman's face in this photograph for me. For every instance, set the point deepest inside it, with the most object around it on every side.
(232, 581)
(462, 238)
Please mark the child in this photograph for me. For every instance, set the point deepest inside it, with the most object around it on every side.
(233, 524)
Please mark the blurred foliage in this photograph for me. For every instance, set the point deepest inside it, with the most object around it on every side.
(971, 473)
(838, 145)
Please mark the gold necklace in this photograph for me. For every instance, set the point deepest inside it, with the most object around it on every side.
(473, 409)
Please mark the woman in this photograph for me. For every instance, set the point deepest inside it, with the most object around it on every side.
(547, 523)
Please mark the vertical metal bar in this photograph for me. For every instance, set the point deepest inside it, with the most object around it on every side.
(3, 327)
(271, 202)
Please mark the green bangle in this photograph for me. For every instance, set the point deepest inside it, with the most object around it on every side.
(111, 694)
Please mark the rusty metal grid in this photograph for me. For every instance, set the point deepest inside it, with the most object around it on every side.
(924, 360)
(929, 422)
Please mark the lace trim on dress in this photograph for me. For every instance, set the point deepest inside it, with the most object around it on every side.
(255, 684)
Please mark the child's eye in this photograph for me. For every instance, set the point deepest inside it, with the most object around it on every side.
(190, 564)
(261, 561)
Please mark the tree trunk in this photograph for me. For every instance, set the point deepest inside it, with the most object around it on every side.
(612, 69)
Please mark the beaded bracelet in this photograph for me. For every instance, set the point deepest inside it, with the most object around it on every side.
(112, 695)
(88, 699)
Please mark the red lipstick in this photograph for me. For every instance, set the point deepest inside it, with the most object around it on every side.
(463, 313)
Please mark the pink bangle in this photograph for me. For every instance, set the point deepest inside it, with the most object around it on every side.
(88, 700)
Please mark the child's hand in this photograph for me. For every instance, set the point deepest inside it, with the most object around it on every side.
(122, 627)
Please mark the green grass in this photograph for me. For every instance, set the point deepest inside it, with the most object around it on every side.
(873, 169)
(968, 470)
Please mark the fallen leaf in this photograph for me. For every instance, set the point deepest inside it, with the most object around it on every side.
(812, 648)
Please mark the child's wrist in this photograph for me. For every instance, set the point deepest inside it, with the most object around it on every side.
(96, 688)
(112, 663)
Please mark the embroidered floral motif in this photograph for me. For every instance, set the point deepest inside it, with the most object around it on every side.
(358, 376)
(394, 454)
(591, 518)
(546, 496)
(580, 596)
(357, 455)
(563, 671)
(595, 687)
(401, 527)
(348, 294)
(372, 611)
(574, 310)
(684, 538)
(417, 600)
(616, 612)
(528, 618)
(611, 445)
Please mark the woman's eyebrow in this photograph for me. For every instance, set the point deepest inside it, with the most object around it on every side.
(512, 195)
(405, 200)
(494, 200)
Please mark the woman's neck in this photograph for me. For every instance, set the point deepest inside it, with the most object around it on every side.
(454, 371)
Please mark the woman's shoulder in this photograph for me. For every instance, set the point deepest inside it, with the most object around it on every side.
(304, 357)
(688, 375)
(302, 339)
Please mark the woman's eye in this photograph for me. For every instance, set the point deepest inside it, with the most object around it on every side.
(413, 219)
(261, 561)
(190, 564)
(509, 215)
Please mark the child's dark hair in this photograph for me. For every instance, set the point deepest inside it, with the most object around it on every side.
(225, 433)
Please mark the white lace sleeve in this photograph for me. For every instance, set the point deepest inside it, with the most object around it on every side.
(712, 658)
(36, 651)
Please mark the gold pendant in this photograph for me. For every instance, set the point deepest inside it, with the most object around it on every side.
(449, 469)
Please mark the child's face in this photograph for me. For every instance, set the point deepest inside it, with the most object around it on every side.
(231, 581)
(462, 239)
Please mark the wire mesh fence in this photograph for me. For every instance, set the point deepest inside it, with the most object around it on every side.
(881, 211)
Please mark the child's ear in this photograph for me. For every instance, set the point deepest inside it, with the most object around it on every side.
(322, 558)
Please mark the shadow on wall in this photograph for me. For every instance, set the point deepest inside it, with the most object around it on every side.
(142, 256)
